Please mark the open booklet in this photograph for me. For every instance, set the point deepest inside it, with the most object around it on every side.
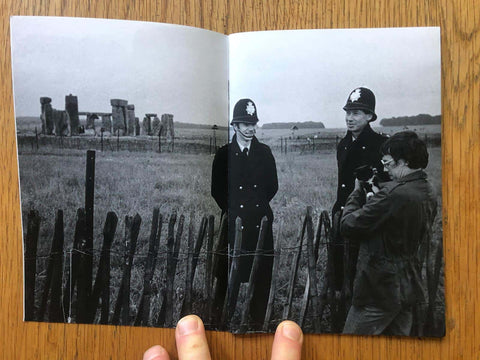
(250, 178)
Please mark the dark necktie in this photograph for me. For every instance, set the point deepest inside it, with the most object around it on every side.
(245, 151)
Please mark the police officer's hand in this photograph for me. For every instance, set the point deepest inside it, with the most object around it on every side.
(192, 343)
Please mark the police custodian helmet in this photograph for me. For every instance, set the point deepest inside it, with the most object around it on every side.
(361, 99)
(245, 111)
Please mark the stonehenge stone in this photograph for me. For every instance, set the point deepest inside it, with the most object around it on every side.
(107, 123)
(167, 124)
(46, 115)
(137, 126)
(119, 116)
(91, 121)
(147, 126)
(71, 106)
(131, 119)
(156, 126)
(61, 121)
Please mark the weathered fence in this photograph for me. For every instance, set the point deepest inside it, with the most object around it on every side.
(180, 272)
(159, 144)
(69, 293)
(312, 144)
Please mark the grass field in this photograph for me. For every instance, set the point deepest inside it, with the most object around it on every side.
(134, 182)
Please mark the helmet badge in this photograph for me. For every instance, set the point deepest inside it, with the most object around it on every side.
(355, 95)
(250, 109)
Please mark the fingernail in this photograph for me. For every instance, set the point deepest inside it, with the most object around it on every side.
(292, 332)
(187, 325)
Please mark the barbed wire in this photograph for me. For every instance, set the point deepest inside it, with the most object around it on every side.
(181, 254)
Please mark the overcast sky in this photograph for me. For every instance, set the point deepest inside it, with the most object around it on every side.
(307, 75)
(298, 75)
(159, 68)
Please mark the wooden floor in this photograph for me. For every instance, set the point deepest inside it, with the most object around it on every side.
(459, 21)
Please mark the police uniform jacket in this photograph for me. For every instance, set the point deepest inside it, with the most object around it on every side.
(390, 227)
(351, 154)
(243, 186)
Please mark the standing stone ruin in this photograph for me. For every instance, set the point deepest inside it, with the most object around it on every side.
(121, 121)
(167, 126)
(61, 121)
(107, 122)
(147, 124)
(46, 115)
(137, 126)
(53, 121)
(156, 126)
(119, 116)
(71, 107)
(131, 119)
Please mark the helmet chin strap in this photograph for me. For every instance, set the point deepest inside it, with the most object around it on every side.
(249, 137)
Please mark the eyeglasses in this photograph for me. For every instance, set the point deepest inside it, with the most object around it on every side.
(386, 162)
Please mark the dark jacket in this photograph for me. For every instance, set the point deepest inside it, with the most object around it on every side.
(390, 227)
(246, 192)
(365, 150)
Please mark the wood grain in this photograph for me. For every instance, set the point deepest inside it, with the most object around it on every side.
(459, 21)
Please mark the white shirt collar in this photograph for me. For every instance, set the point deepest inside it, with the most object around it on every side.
(243, 147)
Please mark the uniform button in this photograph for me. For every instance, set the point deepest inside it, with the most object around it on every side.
(345, 148)
(342, 207)
(240, 187)
(363, 147)
(258, 205)
(258, 226)
(241, 227)
(236, 154)
(343, 185)
(255, 185)
(241, 206)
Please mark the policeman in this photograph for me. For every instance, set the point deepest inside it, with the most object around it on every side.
(360, 146)
(246, 192)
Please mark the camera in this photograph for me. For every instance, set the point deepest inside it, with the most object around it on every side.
(368, 175)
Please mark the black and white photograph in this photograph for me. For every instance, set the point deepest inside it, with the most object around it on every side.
(167, 170)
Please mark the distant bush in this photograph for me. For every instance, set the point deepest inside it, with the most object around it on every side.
(299, 125)
(420, 119)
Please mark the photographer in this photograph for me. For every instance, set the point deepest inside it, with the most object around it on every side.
(390, 228)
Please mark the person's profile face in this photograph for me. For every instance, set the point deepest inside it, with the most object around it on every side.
(356, 120)
(245, 131)
(394, 168)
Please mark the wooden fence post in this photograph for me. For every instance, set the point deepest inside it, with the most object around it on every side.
(209, 265)
(194, 261)
(324, 221)
(271, 297)
(89, 212)
(293, 277)
(53, 283)
(312, 275)
(198, 244)
(259, 253)
(122, 308)
(160, 141)
(102, 281)
(78, 273)
(30, 258)
(234, 277)
(143, 315)
(219, 270)
(187, 299)
(173, 247)
(36, 137)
